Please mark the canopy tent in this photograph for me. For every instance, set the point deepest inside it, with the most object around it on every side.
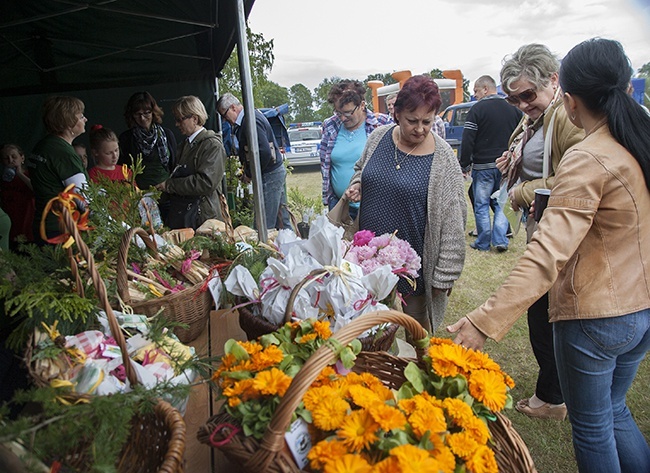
(104, 50)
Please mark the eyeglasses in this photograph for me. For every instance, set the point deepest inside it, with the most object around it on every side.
(145, 114)
(526, 96)
(178, 120)
(346, 114)
(225, 112)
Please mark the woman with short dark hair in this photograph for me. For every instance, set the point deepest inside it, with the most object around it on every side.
(408, 179)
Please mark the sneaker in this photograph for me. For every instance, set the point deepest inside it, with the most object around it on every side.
(501, 248)
(546, 411)
(473, 233)
(474, 247)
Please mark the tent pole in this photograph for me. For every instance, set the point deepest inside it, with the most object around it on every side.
(249, 116)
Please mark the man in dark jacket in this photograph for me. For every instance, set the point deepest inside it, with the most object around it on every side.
(489, 124)
(271, 161)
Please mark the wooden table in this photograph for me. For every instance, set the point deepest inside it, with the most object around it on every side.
(200, 458)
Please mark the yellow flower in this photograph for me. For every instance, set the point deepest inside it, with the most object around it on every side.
(387, 465)
(322, 328)
(459, 411)
(270, 356)
(414, 459)
(440, 341)
(251, 347)
(362, 396)
(483, 461)
(306, 338)
(477, 429)
(489, 388)
(358, 430)
(428, 418)
(315, 395)
(348, 464)
(462, 444)
(387, 417)
(443, 454)
(326, 377)
(324, 452)
(270, 382)
(243, 389)
(448, 360)
(478, 360)
(330, 413)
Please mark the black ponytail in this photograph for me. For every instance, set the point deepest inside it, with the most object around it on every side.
(599, 72)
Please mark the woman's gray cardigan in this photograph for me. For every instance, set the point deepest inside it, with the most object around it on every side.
(444, 240)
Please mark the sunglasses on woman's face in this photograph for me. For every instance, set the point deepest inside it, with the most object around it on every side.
(526, 96)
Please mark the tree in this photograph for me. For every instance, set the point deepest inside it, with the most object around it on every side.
(644, 71)
(386, 78)
(272, 94)
(323, 108)
(261, 60)
(301, 103)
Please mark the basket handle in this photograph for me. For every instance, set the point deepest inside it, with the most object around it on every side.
(312, 276)
(273, 440)
(102, 294)
(122, 255)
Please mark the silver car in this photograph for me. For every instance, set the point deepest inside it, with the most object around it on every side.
(304, 146)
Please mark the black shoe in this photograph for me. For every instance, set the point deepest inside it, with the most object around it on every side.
(473, 233)
(502, 248)
(509, 235)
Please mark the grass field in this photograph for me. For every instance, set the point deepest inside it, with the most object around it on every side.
(548, 441)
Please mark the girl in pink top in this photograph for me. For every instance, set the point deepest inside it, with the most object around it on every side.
(16, 194)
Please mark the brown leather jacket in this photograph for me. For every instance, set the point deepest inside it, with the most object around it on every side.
(591, 248)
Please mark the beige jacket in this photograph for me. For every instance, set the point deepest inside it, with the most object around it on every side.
(592, 247)
(565, 135)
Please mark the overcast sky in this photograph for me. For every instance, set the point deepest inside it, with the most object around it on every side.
(354, 38)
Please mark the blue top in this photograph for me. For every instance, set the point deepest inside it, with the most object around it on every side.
(346, 152)
(396, 199)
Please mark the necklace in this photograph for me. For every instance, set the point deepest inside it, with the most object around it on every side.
(398, 163)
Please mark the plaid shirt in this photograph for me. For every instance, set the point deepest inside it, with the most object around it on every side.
(331, 127)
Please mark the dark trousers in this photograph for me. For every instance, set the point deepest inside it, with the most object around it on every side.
(540, 331)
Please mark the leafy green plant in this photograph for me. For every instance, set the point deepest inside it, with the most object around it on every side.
(303, 206)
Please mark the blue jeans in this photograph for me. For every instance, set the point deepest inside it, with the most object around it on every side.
(597, 361)
(486, 182)
(275, 198)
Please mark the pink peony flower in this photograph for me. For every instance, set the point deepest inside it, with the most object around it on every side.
(370, 252)
(362, 237)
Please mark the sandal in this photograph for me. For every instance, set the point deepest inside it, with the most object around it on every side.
(545, 411)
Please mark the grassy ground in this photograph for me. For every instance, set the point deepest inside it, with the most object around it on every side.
(548, 441)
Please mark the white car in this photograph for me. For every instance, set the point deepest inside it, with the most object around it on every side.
(304, 139)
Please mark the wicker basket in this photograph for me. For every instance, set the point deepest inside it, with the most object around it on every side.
(270, 455)
(191, 306)
(255, 326)
(156, 443)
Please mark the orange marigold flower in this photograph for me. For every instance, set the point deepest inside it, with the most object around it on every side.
(308, 337)
(462, 444)
(479, 360)
(271, 382)
(440, 341)
(412, 459)
(362, 396)
(324, 452)
(448, 360)
(270, 356)
(443, 454)
(387, 417)
(459, 411)
(234, 401)
(315, 395)
(509, 381)
(243, 389)
(483, 461)
(322, 328)
(428, 418)
(358, 430)
(489, 388)
(387, 465)
(477, 429)
(348, 464)
(330, 412)
(326, 377)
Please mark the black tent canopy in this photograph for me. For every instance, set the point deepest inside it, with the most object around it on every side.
(102, 51)
(61, 45)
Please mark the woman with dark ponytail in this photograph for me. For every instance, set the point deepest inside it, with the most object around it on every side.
(592, 250)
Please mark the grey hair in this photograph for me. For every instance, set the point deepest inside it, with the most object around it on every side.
(391, 96)
(533, 62)
(190, 105)
(486, 81)
(226, 101)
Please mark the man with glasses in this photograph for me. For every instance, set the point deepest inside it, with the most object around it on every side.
(271, 160)
(488, 127)
(344, 137)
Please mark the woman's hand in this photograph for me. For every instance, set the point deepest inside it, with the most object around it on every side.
(353, 193)
(467, 334)
(436, 291)
(503, 162)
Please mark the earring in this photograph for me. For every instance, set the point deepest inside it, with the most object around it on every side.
(573, 117)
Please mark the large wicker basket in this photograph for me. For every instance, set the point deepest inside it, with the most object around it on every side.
(156, 442)
(191, 306)
(255, 326)
(270, 455)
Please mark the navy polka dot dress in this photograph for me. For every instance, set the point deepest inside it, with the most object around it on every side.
(396, 199)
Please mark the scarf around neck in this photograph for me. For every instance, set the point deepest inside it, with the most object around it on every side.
(146, 140)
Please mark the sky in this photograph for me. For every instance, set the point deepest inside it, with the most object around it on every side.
(351, 39)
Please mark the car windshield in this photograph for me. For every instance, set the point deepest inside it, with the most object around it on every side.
(304, 135)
